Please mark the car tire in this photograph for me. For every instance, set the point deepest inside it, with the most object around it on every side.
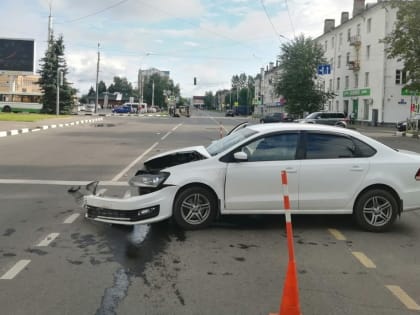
(376, 210)
(194, 208)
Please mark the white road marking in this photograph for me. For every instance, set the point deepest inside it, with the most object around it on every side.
(58, 182)
(71, 218)
(47, 241)
(169, 132)
(403, 297)
(337, 234)
(18, 267)
(124, 171)
(364, 260)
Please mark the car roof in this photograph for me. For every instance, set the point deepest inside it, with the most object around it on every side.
(272, 127)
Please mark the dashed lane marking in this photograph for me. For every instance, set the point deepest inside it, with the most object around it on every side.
(337, 234)
(71, 218)
(47, 240)
(364, 260)
(18, 267)
(403, 297)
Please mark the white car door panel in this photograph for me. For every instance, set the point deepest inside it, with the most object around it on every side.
(258, 186)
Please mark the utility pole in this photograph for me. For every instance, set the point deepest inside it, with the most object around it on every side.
(153, 93)
(97, 76)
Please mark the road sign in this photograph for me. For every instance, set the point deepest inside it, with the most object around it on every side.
(324, 69)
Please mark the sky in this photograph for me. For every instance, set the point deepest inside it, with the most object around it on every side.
(211, 40)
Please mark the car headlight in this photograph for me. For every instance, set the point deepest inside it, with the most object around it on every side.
(148, 179)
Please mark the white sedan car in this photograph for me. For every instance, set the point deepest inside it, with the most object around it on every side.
(330, 170)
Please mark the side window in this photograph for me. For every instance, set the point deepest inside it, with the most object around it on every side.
(363, 149)
(329, 146)
(279, 147)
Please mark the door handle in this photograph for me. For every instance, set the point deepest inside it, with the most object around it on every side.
(356, 168)
(291, 170)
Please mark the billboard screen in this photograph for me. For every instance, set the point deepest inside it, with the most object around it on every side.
(17, 55)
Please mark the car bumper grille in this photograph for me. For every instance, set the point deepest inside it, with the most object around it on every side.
(122, 215)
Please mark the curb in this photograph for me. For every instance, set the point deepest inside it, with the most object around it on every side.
(405, 134)
(137, 115)
(15, 132)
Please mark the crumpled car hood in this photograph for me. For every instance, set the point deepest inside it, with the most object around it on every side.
(176, 157)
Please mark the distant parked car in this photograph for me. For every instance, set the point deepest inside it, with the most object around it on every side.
(230, 113)
(122, 109)
(275, 117)
(326, 118)
(402, 125)
(90, 108)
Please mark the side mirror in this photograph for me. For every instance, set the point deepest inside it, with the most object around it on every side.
(240, 156)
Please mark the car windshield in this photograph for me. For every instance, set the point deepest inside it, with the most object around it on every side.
(312, 115)
(230, 140)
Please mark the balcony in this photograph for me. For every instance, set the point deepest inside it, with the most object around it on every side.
(355, 40)
(354, 65)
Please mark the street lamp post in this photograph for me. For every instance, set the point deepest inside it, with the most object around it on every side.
(59, 83)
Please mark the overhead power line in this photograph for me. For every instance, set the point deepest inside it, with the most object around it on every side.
(97, 12)
(290, 18)
(269, 19)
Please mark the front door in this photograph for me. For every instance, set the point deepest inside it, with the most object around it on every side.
(356, 108)
(256, 184)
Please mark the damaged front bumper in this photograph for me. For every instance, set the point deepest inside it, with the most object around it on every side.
(128, 210)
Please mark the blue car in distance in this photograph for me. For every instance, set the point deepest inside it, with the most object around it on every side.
(122, 110)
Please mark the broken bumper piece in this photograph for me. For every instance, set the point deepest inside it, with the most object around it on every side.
(128, 210)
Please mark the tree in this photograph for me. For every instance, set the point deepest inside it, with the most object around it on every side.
(159, 87)
(122, 86)
(243, 90)
(209, 100)
(297, 79)
(48, 71)
(101, 87)
(403, 41)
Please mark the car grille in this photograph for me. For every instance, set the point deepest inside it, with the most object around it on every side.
(122, 215)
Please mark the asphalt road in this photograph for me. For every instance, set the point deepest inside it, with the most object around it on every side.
(53, 261)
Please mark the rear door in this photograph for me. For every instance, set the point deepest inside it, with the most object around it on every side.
(332, 171)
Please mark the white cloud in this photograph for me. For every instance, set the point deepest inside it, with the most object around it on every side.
(186, 37)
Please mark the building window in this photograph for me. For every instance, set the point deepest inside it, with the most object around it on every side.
(326, 45)
(367, 51)
(346, 82)
(330, 85)
(338, 83)
(331, 61)
(347, 58)
(332, 42)
(340, 39)
(339, 62)
(400, 77)
(369, 25)
(348, 34)
(337, 105)
(366, 109)
(366, 79)
(356, 80)
(358, 30)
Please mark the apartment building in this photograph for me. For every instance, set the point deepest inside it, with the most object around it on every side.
(363, 79)
(267, 100)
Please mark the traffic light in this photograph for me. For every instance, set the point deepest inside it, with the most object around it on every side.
(195, 81)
